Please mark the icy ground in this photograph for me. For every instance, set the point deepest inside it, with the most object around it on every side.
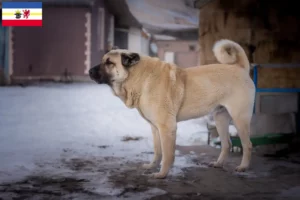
(79, 142)
(45, 128)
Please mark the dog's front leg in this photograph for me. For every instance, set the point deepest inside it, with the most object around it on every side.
(167, 133)
(157, 150)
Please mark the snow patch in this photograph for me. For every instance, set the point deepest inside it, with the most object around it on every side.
(74, 130)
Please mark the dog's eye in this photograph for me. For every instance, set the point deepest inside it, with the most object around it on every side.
(108, 62)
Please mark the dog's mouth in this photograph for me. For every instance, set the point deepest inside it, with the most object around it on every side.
(96, 80)
(101, 78)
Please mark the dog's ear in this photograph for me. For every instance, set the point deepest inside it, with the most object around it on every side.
(115, 48)
(130, 59)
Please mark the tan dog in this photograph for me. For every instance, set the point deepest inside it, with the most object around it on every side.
(165, 94)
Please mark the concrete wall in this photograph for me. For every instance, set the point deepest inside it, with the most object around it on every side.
(276, 103)
(137, 42)
(186, 53)
(145, 45)
(134, 39)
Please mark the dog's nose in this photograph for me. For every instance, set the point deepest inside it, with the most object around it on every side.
(92, 71)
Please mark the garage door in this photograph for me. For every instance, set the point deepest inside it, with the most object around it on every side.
(54, 48)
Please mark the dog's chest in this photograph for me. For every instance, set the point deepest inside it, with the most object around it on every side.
(146, 112)
(147, 108)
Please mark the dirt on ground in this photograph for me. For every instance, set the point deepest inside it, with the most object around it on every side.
(268, 178)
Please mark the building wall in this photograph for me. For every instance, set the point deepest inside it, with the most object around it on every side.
(2, 53)
(2, 46)
(54, 48)
(186, 53)
(145, 46)
(132, 39)
(72, 39)
(272, 29)
(101, 26)
(137, 41)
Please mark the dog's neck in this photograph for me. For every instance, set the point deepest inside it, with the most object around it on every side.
(129, 91)
(128, 95)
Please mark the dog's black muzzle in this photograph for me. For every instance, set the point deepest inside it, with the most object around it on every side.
(98, 74)
(94, 73)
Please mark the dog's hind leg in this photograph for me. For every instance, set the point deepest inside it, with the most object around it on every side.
(167, 133)
(241, 116)
(157, 150)
(222, 120)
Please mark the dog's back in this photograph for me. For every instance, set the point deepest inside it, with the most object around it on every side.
(211, 85)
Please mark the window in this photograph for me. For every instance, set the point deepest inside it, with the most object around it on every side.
(121, 38)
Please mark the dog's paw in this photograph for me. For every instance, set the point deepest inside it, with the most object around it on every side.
(148, 166)
(241, 168)
(215, 164)
(158, 175)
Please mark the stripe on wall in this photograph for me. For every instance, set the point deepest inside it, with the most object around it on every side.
(88, 35)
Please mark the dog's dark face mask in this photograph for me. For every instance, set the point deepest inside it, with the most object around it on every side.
(99, 74)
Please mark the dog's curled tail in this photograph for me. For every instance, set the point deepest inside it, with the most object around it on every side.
(229, 52)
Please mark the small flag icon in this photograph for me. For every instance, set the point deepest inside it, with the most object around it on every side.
(22, 14)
